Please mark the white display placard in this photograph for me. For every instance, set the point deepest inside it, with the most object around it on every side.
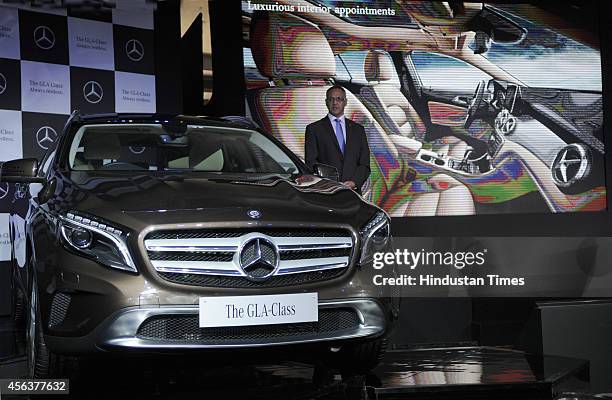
(9, 33)
(258, 310)
(90, 44)
(134, 93)
(11, 146)
(45, 88)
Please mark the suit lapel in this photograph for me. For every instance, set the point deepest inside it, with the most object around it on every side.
(332, 132)
(349, 135)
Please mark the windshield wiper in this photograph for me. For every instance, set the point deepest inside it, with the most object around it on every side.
(262, 177)
(174, 177)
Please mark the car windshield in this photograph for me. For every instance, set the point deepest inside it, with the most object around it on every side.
(150, 147)
(545, 58)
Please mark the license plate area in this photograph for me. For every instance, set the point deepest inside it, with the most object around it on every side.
(224, 311)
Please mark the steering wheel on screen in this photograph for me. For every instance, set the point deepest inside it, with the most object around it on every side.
(475, 104)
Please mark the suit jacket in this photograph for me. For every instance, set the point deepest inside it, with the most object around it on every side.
(322, 147)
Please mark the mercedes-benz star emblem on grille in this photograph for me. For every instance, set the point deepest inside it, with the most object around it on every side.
(4, 189)
(3, 83)
(45, 137)
(571, 164)
(259, 259)
(254, 214)
(92, 91)
(134, 50)
(44, 37)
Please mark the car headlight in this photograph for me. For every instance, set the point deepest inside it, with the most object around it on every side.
(375, 236)
(96, 239)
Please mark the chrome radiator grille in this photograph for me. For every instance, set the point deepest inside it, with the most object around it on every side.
(259, 257)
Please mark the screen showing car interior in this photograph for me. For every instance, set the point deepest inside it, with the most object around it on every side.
(468, 108)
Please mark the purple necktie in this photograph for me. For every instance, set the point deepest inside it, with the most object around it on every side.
(340, 135)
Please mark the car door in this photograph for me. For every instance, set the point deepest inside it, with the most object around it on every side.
(447, 85)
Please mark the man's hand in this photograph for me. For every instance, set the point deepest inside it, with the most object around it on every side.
(350, 184)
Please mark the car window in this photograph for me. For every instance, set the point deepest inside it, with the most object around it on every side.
(545, 58)
(200, 148)
(441, 72)
(247, 57)
(253, 78)
(342, 74)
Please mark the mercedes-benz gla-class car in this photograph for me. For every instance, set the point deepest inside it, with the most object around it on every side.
(152, 234)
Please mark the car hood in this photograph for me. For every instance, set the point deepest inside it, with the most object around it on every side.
(141, 201)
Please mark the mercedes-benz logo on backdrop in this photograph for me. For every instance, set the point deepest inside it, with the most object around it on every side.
(259, 259)
(137, 149)
(92, 92)
(44, 37)
(3, 83)
(571, 164)
(134, 50)
(45, 137)
(4, 190)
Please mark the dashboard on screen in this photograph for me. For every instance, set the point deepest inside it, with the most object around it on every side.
(468, 108)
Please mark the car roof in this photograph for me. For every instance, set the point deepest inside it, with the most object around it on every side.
(123, 118)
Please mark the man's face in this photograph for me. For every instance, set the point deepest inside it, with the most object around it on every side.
(336, 101)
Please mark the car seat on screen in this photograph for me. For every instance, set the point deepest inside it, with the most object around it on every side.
(297, 58)
(393, 111)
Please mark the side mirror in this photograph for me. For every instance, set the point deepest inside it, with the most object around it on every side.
(326, 171)
(24, 170)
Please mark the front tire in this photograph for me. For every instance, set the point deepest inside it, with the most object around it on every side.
(43, 363)
(18, 306)
(38, 354)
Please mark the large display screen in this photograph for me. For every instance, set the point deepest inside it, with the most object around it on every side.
(468, 108)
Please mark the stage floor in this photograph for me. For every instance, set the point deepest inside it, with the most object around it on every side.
(448, 372)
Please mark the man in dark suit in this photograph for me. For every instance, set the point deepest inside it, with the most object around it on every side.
(339, 142)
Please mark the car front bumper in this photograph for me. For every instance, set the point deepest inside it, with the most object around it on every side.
(175, 328)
